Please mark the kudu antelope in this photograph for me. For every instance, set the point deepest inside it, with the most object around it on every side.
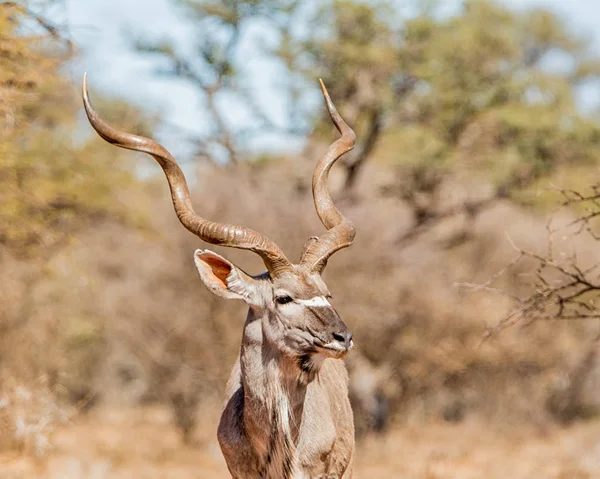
(287, 413)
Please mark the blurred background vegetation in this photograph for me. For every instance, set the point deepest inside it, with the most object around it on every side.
(464, 121)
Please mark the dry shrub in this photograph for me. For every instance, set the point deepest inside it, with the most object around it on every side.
(33, 355)
(29, 414)
(123, 317)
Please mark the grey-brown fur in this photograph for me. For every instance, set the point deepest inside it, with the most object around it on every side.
(285, 418)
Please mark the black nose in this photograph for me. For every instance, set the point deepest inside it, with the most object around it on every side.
(344, 337)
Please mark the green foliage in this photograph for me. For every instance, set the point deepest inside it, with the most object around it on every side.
(477, 90)
(52, 181)
(57, 180)
(486, 67)
(488, 88)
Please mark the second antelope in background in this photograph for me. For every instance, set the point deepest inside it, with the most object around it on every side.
(287, 413)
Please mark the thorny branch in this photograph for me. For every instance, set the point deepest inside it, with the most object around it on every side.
(563, 289)
(561, 292)
(590, 204)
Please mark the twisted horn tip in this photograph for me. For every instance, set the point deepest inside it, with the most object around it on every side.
(84, 89)
(337, 119)
(328, 101)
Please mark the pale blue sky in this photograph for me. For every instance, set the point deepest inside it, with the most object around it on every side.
(99, 27)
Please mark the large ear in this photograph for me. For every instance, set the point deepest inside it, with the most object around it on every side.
(224, 279)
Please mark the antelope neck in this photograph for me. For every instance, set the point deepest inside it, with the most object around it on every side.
(273, 401)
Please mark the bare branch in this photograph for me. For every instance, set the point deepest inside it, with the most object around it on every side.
(559, 291)
(53, 30)
(364, 150)
(590, 204)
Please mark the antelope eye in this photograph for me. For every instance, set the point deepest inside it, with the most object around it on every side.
(284, 299)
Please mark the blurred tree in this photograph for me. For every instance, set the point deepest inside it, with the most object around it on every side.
(53, 179)
(212, 66)
(497, 89)
(495, 100)
(487, 90)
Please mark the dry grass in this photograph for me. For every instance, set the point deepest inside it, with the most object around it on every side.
(29, 415)
(142, 442)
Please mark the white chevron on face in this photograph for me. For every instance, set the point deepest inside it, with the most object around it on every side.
(316, 302)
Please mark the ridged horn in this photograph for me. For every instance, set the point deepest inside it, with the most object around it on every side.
(209, 231)
(341, 231)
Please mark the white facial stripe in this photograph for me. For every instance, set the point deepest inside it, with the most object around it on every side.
(316, 302)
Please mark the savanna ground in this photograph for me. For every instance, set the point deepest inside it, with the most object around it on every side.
(142, 443)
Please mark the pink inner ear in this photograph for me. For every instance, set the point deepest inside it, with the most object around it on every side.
(219, 268)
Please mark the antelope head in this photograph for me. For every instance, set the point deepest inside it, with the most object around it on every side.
(292, 300)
